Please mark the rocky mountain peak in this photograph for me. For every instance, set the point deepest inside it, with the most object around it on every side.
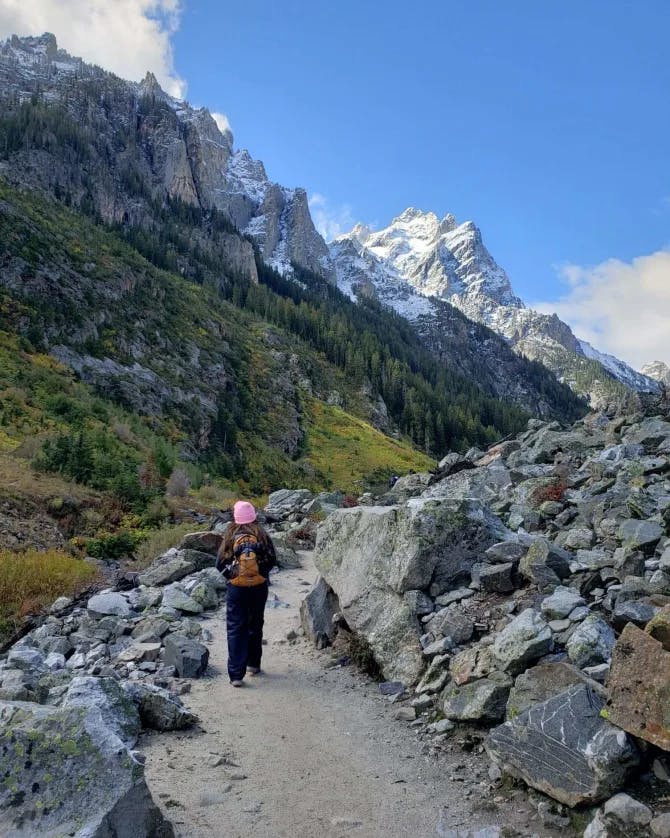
(44, 45)
(448, 223)
(360, 233)
(448, 261)
(412, 215)
(149, 86)
(658, 370)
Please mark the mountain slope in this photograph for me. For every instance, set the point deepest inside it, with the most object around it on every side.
(157, 360)
(419, 260)
(163, 177)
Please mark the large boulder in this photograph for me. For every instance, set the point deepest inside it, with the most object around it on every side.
(370, 556)
(175, 596)
(284, 502)
(591, 642)
(565, 748)
(650, 433)
(640, 535)
(484, 484)
(158, 709)
(203, 542)
(561, 603)
(118, 712)
(639, 687)
(172, 569)
(471, 664)
(521, 642)
(544, 681)
(109, 603)
(621, 817)
(67, 773)
(545, 564)
(478, 701)
(188, 657)
(410, 486)
(287, 557)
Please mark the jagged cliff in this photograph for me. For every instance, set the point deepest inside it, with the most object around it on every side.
(130, 145)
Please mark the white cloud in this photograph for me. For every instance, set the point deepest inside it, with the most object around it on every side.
(331, 222)
(222, 121)
(620, 307)
(127, 37)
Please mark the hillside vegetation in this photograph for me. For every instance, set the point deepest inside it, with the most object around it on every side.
(137, 362)
(219, 395)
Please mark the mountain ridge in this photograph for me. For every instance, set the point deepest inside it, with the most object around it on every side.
(440, 259)
(164, 176)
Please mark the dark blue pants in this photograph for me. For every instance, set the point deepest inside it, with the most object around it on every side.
(245, 610)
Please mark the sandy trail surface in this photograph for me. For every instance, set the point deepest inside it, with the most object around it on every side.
(310, 751)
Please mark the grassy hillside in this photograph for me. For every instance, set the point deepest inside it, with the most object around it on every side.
(174, 384)
(346, 450)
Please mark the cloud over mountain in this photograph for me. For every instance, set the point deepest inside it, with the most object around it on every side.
(127, 37)
(621, 307)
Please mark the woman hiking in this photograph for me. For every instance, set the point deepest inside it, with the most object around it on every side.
(245, 558)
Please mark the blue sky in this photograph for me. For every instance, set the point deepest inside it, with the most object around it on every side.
(546, 123)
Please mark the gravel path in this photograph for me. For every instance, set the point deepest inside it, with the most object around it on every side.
(309, 751)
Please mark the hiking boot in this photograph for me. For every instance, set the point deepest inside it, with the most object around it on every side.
(254, 670)
(237, 683)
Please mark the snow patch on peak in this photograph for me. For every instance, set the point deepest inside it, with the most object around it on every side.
(412, 214)
(247, 175)
(420, 257)
(361, 233)
(619, 369)
(658, 370)
(438, 257)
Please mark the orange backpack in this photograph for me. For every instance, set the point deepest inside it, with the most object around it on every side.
(245, 569)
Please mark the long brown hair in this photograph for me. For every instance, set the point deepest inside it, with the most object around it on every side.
(232, 531)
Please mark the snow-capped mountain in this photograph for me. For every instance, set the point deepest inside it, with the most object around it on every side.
(185, 152)
(120, 149)
(420, 259)
(658, 370)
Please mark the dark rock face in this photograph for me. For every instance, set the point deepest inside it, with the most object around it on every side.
(565, 748)
(317, 612)
(188, 657)
(158, 709)
(204, 542)
(497, 578)
(542, 682)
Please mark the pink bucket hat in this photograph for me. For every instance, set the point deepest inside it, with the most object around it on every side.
(244, 512)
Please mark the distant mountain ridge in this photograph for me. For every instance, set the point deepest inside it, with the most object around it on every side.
(182, 153)
(420, 259)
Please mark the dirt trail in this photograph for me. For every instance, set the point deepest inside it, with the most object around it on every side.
(306, 751)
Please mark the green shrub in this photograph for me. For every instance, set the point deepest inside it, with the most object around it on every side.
(112, 546)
